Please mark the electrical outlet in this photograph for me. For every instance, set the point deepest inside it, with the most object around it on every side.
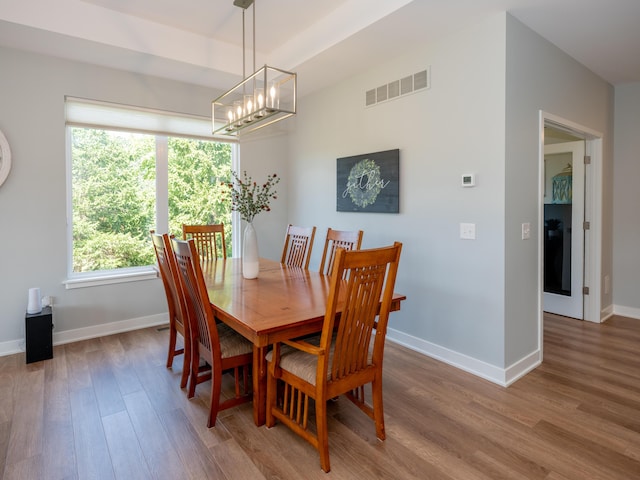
(526, 231)
(468, 231)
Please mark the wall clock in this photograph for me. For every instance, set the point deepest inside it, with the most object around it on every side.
(5, 158)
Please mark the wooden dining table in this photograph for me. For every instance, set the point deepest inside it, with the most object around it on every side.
(282, 303)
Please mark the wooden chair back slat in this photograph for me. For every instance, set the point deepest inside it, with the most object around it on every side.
(177, 316)
(298, 243)
(198, 311)
(349, 240)
(205, 335)
(209, 240)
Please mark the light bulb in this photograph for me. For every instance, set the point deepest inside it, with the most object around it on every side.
(230, 118)
(238, 107)
(273, 100)
(248, 108)
(259, 94)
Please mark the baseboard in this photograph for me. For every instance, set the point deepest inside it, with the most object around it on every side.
(626, 311)
(606, 313)
(500, 376)
(85, 333)
(11, 347)
(523, 366)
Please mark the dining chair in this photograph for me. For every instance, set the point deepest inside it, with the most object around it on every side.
(204, 237)
(349, 240)
(216, 343)
(298, 243)
(341, 361)
(177, 316)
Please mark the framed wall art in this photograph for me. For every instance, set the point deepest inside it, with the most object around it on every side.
(369, 182)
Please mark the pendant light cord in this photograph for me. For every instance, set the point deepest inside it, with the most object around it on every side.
(243, 47)
(244, 61)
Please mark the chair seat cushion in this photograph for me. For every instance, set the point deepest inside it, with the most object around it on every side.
(302, 364)
(232, 343)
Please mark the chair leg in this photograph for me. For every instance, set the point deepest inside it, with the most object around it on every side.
(172, 346)
(271, 397)
(216, 385)
(193, 374)
(241, 380)
(323, 435)
(236, 381)
(186, 361)
(378, 410)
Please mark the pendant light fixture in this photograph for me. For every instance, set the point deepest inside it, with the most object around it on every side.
(265, 97)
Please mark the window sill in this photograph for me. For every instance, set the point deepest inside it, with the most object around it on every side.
(110, 278)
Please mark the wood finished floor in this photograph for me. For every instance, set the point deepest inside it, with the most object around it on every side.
(108, 408)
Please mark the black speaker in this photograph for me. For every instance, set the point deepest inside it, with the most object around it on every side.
(39, 335)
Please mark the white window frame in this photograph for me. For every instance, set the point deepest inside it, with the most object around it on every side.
(163, 124)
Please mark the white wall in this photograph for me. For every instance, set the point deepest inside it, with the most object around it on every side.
(262, 155)
(542, 77)
(471, 303)
(626, 199)
(33, 199)
(454, 288)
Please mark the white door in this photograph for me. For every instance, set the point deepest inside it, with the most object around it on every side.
(563, 229)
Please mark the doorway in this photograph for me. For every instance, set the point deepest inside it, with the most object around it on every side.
(591, 275)
(563, 241)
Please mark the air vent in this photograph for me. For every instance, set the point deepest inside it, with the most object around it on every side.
(381, 93)
(371, 97)
(420, 80)
(397, 88)
(407, 85)
(394, 89)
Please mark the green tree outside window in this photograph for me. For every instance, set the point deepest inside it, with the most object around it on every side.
(114, 194)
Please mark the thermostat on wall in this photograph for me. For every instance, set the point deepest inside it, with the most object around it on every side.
(468, 180)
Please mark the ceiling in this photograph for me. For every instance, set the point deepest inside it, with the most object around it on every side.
(200, 41)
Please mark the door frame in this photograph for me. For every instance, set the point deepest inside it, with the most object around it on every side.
(592, 212)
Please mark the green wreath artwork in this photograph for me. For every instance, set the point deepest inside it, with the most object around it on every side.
(364, 183)
(368, 182)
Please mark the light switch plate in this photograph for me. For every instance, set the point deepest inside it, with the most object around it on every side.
(526, 231)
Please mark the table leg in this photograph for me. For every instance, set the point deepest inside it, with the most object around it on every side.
(259, 385)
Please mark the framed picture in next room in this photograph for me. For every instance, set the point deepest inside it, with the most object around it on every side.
(369, 182)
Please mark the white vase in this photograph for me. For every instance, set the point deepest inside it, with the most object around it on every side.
(250, 257)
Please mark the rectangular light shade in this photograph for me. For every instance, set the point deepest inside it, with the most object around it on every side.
(266, 97)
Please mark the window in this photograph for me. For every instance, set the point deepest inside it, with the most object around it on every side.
(127, 178)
